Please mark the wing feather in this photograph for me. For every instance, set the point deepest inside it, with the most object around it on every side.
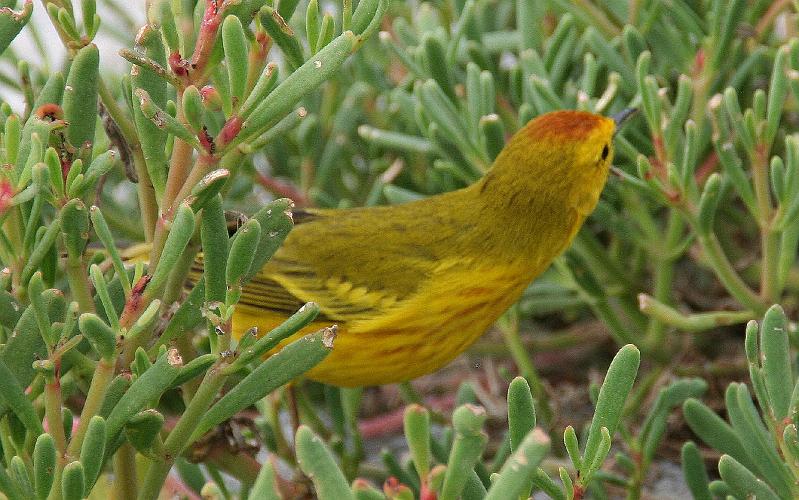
(342, 262)
(356, 263)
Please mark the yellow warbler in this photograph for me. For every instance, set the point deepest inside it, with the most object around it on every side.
(411, 286)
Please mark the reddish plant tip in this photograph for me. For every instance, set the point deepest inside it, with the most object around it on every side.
(212, 7)
(178, 65)
(211, 18)
(673, 196)
(210, 98)
(392, 488)
(360, 484)
(699, 61)
(6, 193)
(283, 189)
(230, 130)
(134, 303)
(206, 141)
(264, 42)
(707, 167)
(51, 112)
(208, 92)
(426, 493)
(66, 165)
(140, 285)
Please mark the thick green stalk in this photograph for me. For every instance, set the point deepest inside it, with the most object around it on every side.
(727, 275)
(770, 288)
(701, 85)
(103, 374)
(125, 478)
(16, 229)
(179, 163)
(53, 415)
(693, 322)
(177, 278)
(204, 164)
(664, 278)
(171, 294)
(13, 229)
(769, 239)
(188, 353)
(160, 234)
(55, 426)
(180, 436)
(112, 107)
(175, 190)
(79, 283)
(5, 440)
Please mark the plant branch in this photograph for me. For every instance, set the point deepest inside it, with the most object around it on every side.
(180, 436)
(125, 478)
(103, 374)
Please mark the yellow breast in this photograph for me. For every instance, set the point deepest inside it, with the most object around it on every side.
(414, 337)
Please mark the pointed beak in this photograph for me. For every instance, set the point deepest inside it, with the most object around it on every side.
(622, 116)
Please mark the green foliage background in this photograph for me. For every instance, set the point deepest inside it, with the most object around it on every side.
(232, 105)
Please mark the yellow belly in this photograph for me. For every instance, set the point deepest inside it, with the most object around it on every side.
(419, 336)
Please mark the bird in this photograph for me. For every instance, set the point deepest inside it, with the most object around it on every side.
(411, 286)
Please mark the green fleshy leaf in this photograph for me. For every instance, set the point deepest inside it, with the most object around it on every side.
(610, 403)
(293, 360)
(317, 462)
(73, 481)
(520, 467)
(80, 96)
(470, 440)
(417, 433)
(521, 411)
(12, 22)
(44, 465)
(92, 449)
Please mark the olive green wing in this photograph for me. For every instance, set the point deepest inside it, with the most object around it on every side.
(355, 264)
(265, 293)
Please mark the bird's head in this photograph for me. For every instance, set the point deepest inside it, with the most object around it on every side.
(559, 158)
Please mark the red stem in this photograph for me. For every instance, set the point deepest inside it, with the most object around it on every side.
(282, 188)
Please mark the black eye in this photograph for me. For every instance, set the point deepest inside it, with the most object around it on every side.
(605, 152)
